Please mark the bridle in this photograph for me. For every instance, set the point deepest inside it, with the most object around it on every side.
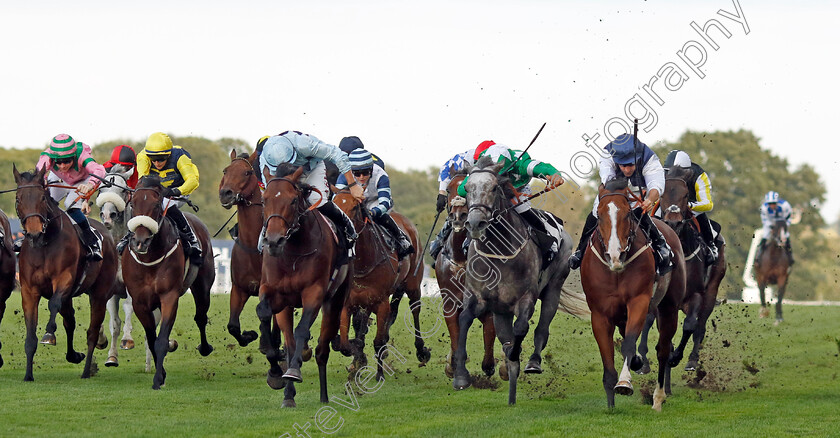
(496, 210)
(238, 199)
(45, 221)
(630, 238)
(292, 226)
(673, 208)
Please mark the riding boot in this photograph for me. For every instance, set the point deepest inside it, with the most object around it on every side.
(124, 242)
(405, 247)
(437, 245)
(661, 249)
(760, 250)
(708, 239)
(17, 243)
(588, 228)
(789, 252)
(536, 223)
(333, 213)
(188, 236)
(88, 237)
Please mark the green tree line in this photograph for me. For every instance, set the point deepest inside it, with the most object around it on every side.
(740, 169)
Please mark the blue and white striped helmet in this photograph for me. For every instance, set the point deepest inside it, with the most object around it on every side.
(360, 159)
(771, 197)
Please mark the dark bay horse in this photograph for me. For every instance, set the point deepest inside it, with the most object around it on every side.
(7, 267)
(618, 274)
(503, 270)
(702, 281)
(157, 273)
(774, 268)
(377, 274)
(300, 252)
(450, 270)
(52, 266)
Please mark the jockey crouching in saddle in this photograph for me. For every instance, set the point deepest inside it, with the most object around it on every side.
(774, 208)
(179, 177)
(520, 168)
(447, 171)
(645, 174)
(310, 153)
(377, 189)
(71, 162)
(699, 199)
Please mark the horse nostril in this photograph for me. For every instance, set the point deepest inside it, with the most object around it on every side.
(113, 215)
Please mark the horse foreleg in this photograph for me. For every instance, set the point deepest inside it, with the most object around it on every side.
(643, 341)
(452, 327)
(637, 311)
(238, 297)
(202, 306)
(330, 314)
(689, 326)
(382, 314)
(53, 305)
(706, 307)
(465, 320)
(763, 313)
(603, 331)
(127, 342)
(168, 312)
(97, 317)
(267, 346)
(414, 304)
(302, 333)
(29, 303)
(488, 364)
(114, 327)
(548, 309)
(68, 314)
(782, 285)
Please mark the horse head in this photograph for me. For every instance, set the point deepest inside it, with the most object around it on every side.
(457, 205)
(33, 204)
(114, 195)
(285, 202)
(484, 196)
(674, 200)
(239, 183)
(779, 232)
(614, 223)
(147, 207)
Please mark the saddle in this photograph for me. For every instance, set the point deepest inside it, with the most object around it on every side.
(545, 242)
(82, 239)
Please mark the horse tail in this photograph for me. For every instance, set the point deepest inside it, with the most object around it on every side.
(573, 303)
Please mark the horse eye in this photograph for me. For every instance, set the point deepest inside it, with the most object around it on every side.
(224, 172)
(249, 172)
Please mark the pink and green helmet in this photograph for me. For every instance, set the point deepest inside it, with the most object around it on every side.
(63, 146)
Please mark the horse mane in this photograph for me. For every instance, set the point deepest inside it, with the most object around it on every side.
(616, 184)
(119, 168)
(503, 181)
(149, 181)
(484, 162)
(286, 169)
(28, 176)
(244, 156)
(683, 173)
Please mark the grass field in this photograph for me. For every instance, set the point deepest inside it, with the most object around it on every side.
(760, 380)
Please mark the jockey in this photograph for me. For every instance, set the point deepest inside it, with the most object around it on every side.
(351, 143)
(520, 168)
(124, 155)
(642, 167)
(774, 208)
(179, 177)
(377, 190)
(699, 199)
(309, 152)
(454, 164)
(71, 162)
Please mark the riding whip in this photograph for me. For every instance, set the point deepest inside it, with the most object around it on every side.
(437, 216)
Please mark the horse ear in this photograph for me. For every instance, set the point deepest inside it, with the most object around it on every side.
(17, 174)
(296, 176)
(266, 175)
(129, 173)
(232, 154)
(498, 167)
(253, 158)
(602, 189)
(41, 172)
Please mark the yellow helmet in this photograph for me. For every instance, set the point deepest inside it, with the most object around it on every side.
(158, 144)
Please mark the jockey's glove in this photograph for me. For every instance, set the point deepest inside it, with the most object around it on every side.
(169, 192)
(441, 202)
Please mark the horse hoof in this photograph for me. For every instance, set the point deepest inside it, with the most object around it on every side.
(636, 363)
(173, 345)
(288, 404)
(645, 369)
(48, 339)
(248, 336)
(102, 343)
(533, 367)
(307, 353)
(112, 362)
(764, 312)
(75, 357)
(674, 359)
(624, 388)
(503, 371)
(778, 321)
(275, 382)
(293, 374)
(203, 349)
(691, 365)
(461, 382)
(423, 355)
(127, 344)
(450, 373)
(489, 370)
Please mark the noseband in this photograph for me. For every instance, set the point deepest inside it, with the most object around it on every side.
(496, 210)
(291, 227)
(238, 199)
(45, 221)
(630, 238)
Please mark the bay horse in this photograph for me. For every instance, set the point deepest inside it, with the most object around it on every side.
(299, 270)
(774, 268)
(618, 275)
(377, 274)
(53, 266)
(503, 269)
(702, 281)
(7, 267)
(450, 270)
(157, 273)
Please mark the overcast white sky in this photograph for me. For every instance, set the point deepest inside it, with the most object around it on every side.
(418, 81)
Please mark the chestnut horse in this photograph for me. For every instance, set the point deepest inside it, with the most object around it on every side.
(157, 273)
(7, 267)
(503, 268)
(377, 274)
(299, 270)
(618, 274)
(450, 270)
(774, 267)
(53, 266)
(702, 281)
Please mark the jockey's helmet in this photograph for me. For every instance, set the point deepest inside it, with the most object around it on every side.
(771, 197)
(61, 146)
(483, 146)
(158, 145)
(677, 158)
(278, 150)
(360, 159)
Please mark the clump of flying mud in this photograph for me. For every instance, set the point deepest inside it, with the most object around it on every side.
(550, 384)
